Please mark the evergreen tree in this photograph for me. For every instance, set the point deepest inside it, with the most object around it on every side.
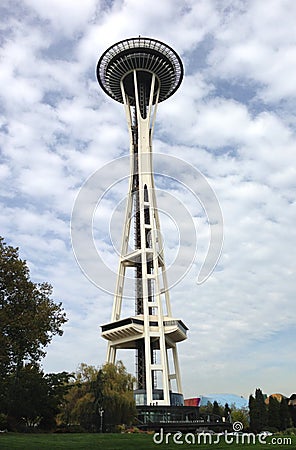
(216, 409)
(274, 420)
(261, 410)
(292, 409)
(258, 412)
(253, 413)
(285, 417)
(227, 413)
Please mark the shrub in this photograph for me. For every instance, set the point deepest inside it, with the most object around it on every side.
(3, 421)
(290, 431)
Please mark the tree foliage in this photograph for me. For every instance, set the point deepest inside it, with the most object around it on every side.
(273, 414)
(33, 398)
(114, 395)
(285, 417)
(107, 391)
(274, 420)
(227, 412)
(258, 411)
(206, 409)
(217, 410)
(29, 318)
(240, 415)
(292, 409)
(79, 409)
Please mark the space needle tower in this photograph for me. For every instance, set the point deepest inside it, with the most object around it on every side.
(140, 73)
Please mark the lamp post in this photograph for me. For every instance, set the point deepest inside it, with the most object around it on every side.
(101, 412)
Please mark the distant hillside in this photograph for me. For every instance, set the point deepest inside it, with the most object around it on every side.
(221, 399)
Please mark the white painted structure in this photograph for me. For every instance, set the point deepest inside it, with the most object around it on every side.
(140, 73)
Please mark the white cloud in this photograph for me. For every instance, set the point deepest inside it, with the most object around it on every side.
(258, 43)
(232, 118)
(68, 17)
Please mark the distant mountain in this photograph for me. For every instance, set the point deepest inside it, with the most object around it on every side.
(221, 399)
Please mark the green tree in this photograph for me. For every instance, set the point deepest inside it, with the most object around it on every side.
(57, 386)
(84, 412)
(227, 412)
(292, 409)
(108, 389)
(114, 395)
(262, 409)
(216, 409)
(29, 318)
(79, 409)
(285, 417)
(34, 398)
(258, 411)
(252, 413)
(240, 415)
(206, 409)
(274, 420)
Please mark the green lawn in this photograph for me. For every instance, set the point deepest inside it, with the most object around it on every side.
(13, 441)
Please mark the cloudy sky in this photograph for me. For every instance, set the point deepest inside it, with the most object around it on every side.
(233, 119)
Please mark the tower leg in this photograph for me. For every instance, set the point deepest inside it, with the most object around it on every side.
(111, 354)
(177, 368)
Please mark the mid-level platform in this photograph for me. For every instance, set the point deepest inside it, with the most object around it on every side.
(129, 330)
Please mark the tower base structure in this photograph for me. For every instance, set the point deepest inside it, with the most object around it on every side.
(185, 419)
(140, 396)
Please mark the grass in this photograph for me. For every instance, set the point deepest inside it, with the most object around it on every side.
(14, 441)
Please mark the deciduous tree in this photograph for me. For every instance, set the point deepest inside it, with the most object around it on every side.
(34, 399)
(114, 394)
(240, 415)
(29, 318)
(108, 389)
